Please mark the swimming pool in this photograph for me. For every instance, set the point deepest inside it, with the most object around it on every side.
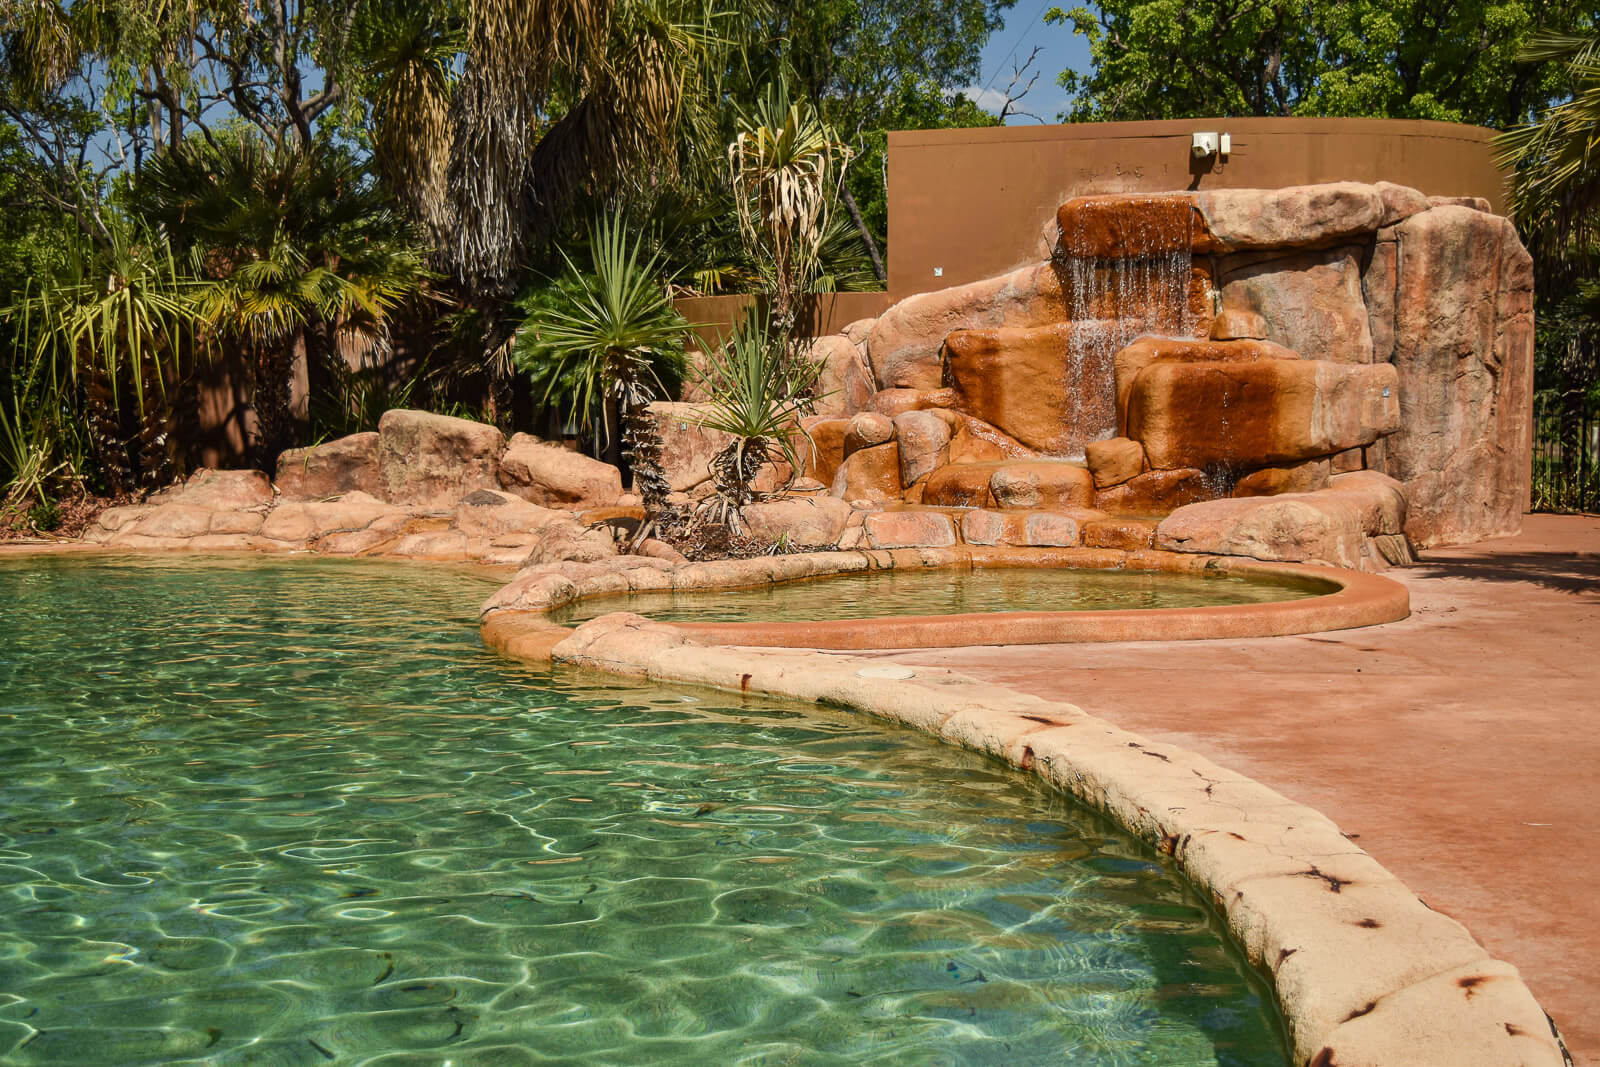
(292, 812)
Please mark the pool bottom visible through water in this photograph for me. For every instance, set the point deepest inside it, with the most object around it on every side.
(879, 594)
(291, 812)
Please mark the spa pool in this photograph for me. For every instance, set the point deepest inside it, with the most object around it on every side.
(291, 812)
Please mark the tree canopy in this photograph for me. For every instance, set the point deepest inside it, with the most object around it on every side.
(1410, 59)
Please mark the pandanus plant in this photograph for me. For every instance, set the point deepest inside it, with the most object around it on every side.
(759, 395)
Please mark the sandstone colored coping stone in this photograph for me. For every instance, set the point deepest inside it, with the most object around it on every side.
(1127, 534)
(1363, 972)
(1265, 413)
(810, 522)
(905, 342)
(1041, 484)
(431, 459)
(909, 529)
(343, 465)
(1048, 529)
(1113, 461)
(1300, 216)
(550, 476)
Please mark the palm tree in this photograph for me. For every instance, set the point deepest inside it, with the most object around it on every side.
(605, 340)
(296, 249)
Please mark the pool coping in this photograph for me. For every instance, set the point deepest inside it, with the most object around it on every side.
(1363, 971)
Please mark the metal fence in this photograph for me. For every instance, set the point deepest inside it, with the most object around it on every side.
(1566, 453)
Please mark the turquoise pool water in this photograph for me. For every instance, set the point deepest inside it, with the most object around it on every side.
(291, 812)
(876, 594)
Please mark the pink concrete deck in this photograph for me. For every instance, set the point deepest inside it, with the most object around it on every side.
(1461, 746)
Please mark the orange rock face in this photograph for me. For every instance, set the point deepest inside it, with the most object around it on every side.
(1034, 384)
(1146, 350)
(1156, 493)
(1125, 226)
(960, 485)
(871, 473)
(346, 464)
(1113, 461)
(1270, 481)
(1266, 413)
(1041, 484)
(823, 447)
(910, 529)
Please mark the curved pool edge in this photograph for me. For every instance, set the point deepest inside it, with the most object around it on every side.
(1363, 971)
(1359, 599)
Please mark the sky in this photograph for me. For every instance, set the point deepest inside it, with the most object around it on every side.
(1059, 48)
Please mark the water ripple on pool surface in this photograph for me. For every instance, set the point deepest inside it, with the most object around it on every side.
(291, 812)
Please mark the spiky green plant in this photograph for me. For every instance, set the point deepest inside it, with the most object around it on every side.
(607, 338)
(758, 393)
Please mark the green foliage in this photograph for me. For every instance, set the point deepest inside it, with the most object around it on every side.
(1188, 58)
(603, 331)
(1557, 158)
(758, 392)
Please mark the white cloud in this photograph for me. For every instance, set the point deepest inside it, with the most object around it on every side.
(990, 100)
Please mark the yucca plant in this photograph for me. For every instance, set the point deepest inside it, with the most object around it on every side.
(785, 165)
(758, 393)
(604, 341)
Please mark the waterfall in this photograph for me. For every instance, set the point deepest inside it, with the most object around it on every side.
(1112, 299)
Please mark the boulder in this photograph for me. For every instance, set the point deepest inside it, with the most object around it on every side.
(810, 522)
(173, 520)
(568, 541)
(892, 402)
(1399, 202)
(1048, 530)
(687, 446)
(1304, 528)
(1144, 351)
(1041, 484)
(981, 527)
(1035, 384)
(302, 522)
(822, 448)
(924, 438)
(1239, 324)
(1265, 413)
(1456, 296)
(1310, 302)
(975, 441)
(551, 476)
(960, 485)
(1271, 481)
(1157, 492)
(1113, 461)
(909, 529)
(858, 330)
(1379, 500)
(1300, 216)
(343, 465)
(867, 429)
(906, 340)
(845, 385)
(869, 474)
(1471, 203)
(486, 513)
(431, 459)
(224, 490)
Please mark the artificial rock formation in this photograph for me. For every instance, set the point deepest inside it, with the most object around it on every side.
(1230, 346)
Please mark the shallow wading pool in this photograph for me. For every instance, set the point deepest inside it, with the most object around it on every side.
(292, 812)
(889, 593)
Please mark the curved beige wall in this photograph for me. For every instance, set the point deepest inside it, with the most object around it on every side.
(975, 203)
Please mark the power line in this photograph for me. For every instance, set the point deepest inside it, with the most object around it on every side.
(1033, 24)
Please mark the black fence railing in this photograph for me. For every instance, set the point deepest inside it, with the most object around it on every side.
(1566, 453)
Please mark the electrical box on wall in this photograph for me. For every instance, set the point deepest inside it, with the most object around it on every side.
(1206, 145)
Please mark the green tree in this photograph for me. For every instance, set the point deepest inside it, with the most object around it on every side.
(870, 66)
(1157, 59)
